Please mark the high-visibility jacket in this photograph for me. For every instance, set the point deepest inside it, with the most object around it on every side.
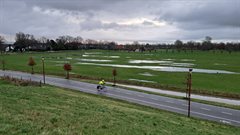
(102, 82)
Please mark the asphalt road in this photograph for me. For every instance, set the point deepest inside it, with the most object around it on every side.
(198, 110)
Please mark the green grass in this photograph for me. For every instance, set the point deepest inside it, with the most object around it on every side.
(211, 84)
(51, 110)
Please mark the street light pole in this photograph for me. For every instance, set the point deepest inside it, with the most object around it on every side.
(189, 90)
(43, 70)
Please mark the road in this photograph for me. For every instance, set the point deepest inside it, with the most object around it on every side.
(198, 110)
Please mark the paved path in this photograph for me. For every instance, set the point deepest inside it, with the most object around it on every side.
(181, 94)
(198, 110)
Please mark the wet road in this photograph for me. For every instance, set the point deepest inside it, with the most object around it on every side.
(198, 110)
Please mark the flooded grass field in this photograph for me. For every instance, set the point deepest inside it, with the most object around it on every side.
(213, 73)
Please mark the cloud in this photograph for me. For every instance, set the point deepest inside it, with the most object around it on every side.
(202, 15)
(123, 20)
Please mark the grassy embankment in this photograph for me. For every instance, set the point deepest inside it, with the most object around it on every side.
(51, 110)
(226, 85)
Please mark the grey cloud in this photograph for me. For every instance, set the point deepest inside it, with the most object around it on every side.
(184, 19)
(202, 15)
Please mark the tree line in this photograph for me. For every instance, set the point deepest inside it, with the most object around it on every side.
(27, 42)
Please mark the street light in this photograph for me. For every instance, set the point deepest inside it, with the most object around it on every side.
(43, 70)
(189, 89)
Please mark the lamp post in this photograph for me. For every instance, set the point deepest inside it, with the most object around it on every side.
(43, 70)
(189, 90)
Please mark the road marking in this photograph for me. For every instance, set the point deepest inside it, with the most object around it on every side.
(128, 93)
(205, 109)
(184, 104)
(154, 98)
(227, 113)
(140, 95)
(169, 101)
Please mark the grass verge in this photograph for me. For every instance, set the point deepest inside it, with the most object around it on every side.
(51, 110)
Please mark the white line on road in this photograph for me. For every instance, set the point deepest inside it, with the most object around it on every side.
(128, 93)
(205, 109)
(169, 101)
(184, 104)
(227, 113)
(140, 95)
(154, 98)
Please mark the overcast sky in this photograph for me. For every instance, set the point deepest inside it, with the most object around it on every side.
(122, 20)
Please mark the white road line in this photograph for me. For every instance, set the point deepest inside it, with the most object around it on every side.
(205, 109)
(184, 104)
(154, 98)
(227, 113)
(169, 101)
(128, 93)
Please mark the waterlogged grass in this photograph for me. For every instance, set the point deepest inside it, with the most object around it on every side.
(51, 110)
(212, 84)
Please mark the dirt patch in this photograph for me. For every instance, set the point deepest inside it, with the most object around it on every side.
(20, 82)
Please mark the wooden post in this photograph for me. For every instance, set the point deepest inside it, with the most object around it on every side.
(189, 91)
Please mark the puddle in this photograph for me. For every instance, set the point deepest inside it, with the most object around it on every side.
(68, 58)
(95, 60)
(93, 53)
(219, 64)
(59, 65)
(73, 73)
(100, 56)
(178, 64)
(148, 61)
(169, 59)
(112, 56)
(191, 60)
(146, 74)
(142, 80)
(85, 55)
(58, 61)
(163, 63)
(163, 68)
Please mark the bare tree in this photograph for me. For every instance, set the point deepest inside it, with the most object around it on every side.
(178, 44)
(1, 43)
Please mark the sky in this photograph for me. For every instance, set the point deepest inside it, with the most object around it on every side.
(123, 20)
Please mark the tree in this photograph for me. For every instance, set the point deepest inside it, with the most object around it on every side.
(178, 44)
(31, 63)
(1, 43)
(207, 44)
(24, 41)
(67, 67)
(190, 45)
(114, 73)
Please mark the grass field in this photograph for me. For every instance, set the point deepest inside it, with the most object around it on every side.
(205, 83)
(51, 110)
